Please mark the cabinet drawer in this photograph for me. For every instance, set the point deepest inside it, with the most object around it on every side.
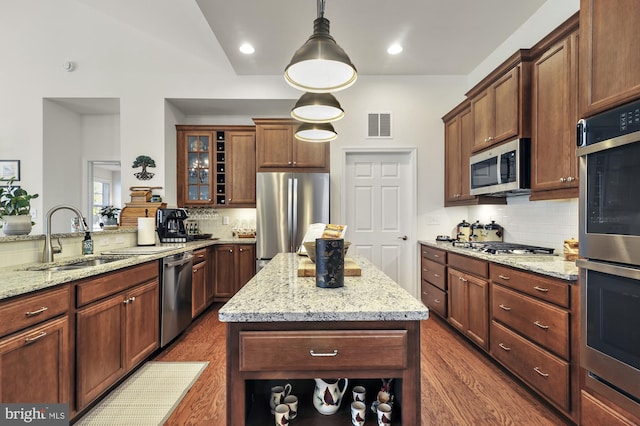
(545, 372)
(199, 256)
(323, 350)
(434, 298)
(543, 323)
(468, 264)
(544, 288)
(435, 273)
(33, 309)
(99, 287)
(434, 254)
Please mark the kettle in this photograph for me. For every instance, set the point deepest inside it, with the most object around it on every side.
(493, 232)
(477, 233)
(463, 231)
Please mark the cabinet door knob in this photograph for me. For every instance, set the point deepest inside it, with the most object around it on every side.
(570, 179)
(38, 336)
(563, 179)
(36, 312)
(314, 353)
(542, 326)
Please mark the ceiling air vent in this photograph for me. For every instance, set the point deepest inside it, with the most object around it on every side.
(379, 125)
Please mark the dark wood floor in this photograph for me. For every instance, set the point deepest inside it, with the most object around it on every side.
(460, 385)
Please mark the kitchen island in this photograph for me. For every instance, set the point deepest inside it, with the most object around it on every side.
(282, 328)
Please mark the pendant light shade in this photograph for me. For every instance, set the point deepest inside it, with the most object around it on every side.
(316, 132)
(317, 108)
(320, 65)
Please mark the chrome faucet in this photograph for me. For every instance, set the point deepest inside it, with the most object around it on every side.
(49, 249)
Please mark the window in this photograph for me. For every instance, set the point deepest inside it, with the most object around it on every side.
(101, 198)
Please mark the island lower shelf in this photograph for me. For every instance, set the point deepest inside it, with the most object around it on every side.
(358, 350)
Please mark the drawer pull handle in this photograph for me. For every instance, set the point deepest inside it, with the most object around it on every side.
(436, 275)
(540, 372)
(36, 337)
(436, 300)
(505, 347)
(314, 353)
(544, 327)
(436, 256)
(462, 279)
(504, 277)
(542, 289)
(506, 308)
(33, 313)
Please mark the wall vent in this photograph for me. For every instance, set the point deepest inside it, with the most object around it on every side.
(379, 125)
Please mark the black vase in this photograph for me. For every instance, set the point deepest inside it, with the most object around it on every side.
(329, 262)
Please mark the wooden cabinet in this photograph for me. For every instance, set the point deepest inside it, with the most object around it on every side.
(117, 327)
(277, 149)
(532, 321)
(234, 266)
(596, 412)
(35, 350)
(458, 142)
(554, 165)
(256, 358)
(434, 279)
(199, 279)
(215, 166)
(609, 54)
(469, 298)
(500, 103)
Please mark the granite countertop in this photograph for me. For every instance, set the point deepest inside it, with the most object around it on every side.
(18, 279)
(276, 293)
(544, 264)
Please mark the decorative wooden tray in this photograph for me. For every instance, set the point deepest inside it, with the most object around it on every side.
(306, 268)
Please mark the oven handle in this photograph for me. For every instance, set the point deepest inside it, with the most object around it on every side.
(609, 268)
(608, 144)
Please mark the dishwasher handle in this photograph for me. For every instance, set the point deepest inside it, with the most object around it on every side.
(186, 259)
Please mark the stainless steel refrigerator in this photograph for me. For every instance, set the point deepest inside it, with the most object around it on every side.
(286, 204)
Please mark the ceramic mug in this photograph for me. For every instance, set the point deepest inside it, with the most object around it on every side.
(292, 402)
(358, 412)
(384, 414)
(277, 395)
(282, 414)
(358, 393)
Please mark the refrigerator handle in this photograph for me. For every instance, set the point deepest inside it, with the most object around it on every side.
(294, 209)
(289, 211)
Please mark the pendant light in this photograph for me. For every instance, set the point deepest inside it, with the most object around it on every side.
(316, 132)
(317, 108)
(320, 65)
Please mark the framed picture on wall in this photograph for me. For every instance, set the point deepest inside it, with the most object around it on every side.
(10, 169)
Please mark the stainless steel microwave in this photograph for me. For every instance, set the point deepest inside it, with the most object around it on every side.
(502, 170)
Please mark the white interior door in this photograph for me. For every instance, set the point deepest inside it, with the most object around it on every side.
(379, 206)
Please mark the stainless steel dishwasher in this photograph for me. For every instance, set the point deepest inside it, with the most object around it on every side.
(175, 298)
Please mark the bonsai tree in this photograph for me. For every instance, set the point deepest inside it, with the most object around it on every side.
(14, 201)
(143, 161)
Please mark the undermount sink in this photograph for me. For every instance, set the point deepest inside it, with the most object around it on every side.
(80, 264)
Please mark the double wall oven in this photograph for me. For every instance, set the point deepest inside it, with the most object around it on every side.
(609, 155)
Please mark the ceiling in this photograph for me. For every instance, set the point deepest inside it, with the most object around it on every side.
(440, 37)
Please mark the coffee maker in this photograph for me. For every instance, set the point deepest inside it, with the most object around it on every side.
(170, 226)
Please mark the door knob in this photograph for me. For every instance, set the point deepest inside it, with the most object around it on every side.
(404, 237)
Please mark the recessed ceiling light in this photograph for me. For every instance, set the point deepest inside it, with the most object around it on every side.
(247, 49)
(394, 49)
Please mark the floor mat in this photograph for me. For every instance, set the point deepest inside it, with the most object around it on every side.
(148, 397)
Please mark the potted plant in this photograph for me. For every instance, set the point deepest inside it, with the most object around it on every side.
(15, 208)
(110, 216)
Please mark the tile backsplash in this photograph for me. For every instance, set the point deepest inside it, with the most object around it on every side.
(539, 223)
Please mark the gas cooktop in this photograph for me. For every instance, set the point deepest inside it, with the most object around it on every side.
(495, 247)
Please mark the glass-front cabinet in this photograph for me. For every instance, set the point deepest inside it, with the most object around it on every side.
(204, 169)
